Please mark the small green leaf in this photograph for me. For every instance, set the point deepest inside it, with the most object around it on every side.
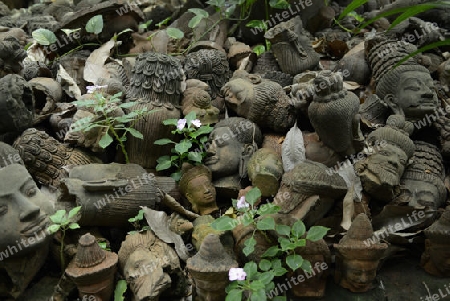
(216, 3)
(175, 33)
(316, 233)
(249, 244)
(95, 24)
(224, 223)
(126, 105)
(199, 12)
(277, 298)
(183, 146)
(251, 269)
(269, 208)
(163, 165)
(176, 176)
(267, 223)
(266, 277)
(257, 24)
(253, 195)
(259, 49)
(265, 265)
(74, 212)
(163, 141)
(195, 156)
(351, 7)
(53, 229)
(285, 244)
(300, 243)
(195, 21)
(121, 288)
(135, 133)
(283, 230)
(298, 228)
(163, 22)
(44, 36)
(233, 295)
(74, 226)
(294, 261)
(105, 141)
(271, 252)
(58, 217)
(259, 292)
(306, 266)
(279, 4)
(70, 31)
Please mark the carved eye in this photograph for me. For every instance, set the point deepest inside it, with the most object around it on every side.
(3, 209)
(30, 192)
(413, 88)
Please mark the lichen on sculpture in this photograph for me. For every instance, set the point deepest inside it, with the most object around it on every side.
(356, 261)
(196, 185)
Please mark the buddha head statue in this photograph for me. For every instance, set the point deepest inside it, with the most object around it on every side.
(231, 145)
(265, 169)
(406, 89)
(436, 258)
(422, 183)
(388, 153)
(357, 258)
(196, 185)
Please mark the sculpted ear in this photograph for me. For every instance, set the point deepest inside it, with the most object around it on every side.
(246, 154)
(389, 100)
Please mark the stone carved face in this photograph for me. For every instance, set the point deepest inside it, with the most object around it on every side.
(224, 153)
(22, 215)
(420, 193)
(358, 274)
(415, 95)
(239, 95)
(386, 165)
(202, 194)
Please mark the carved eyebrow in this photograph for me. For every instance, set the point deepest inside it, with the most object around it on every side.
(9, 193)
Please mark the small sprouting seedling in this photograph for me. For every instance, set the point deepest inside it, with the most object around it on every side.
(194, 136)
(121, 288)
(95, 24)
(63, 221)
(116, 126)
(137, 222)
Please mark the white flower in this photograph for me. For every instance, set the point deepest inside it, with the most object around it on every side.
(181, 123)
(236, 274)
(196, 122)
(241, 203)
(92, 89)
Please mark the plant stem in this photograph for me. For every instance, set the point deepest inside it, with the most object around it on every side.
(63, 264)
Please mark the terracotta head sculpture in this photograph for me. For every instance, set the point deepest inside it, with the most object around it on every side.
(265, 169)
(231, 144)
(407, 89)
(356, 258)
(436, 258)
(391, 148)
(422, 183)
(196, 185)
(23, 223)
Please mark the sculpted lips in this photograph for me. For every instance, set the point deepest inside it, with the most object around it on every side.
(37, 225)
(211, 160)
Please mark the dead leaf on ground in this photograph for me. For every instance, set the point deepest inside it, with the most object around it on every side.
(95, 64)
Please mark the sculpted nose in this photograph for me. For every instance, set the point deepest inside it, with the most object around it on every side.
(28, 210)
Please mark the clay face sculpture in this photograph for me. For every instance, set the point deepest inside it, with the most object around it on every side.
(196, 186)
(261, 101)
(436, 258)
(11, 56)
(357, 262)
(231, 144)
(407, 89)
(381, 170)
(422, 183)
(265, 169)
(23, 220)
(199, 101)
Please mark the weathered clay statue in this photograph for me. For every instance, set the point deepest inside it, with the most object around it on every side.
(110, 193)
(231, 144)
(334, 114)
(16, 104)
(423, 180)
(308, 192)
(292, 47)
(157, 82)
(210, 66)
(46, 158)
(198, 100)
(357, 261)
(196, 185)
(93, 269)
(391, 148)
(23, 219)
(262, 101)
(436, 260)
(265, 169)
(150, 267)
(209, 268)
(407, 89)
(11, 56)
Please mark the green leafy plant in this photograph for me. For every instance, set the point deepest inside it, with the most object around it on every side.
(116, 126)
(277, 259)
(63, 221)
(191, 147)
(121, 288)
(137, 222)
